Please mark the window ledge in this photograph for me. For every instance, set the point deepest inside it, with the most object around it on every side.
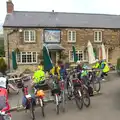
(29, 41)
(98, 41)
(27, 63)
(71, 41)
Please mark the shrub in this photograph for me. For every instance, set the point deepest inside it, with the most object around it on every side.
(3, 66)
(118, 65)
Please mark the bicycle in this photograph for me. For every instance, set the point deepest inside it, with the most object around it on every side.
(29, 103)
(56, 92)
(40, 97)
(4, 116)
(95, 80)
(62, 88)
(77, 86)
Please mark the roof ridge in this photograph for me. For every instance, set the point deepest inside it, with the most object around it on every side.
(68, 13)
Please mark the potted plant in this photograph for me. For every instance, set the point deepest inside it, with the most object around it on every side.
(118, 66)
(3, 66)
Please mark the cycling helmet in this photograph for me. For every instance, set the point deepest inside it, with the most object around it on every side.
(78, 62)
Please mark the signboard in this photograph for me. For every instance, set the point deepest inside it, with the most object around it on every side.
(52, 36)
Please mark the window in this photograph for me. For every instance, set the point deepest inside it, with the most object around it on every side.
(98, 36)
(27, 57)
(29, 36)
(71, 36)
(82, 55)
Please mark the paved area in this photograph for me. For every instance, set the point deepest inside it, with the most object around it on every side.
(15, 100)
(104, 106)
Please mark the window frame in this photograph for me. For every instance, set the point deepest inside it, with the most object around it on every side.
(26, 53)
(71, 36)
(98, 40)
(78, 53)
(29, 34)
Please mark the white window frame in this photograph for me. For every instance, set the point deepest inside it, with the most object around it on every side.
(29, 39)
(98, 40)
(71, 36)
(21, 53)
(79, 51)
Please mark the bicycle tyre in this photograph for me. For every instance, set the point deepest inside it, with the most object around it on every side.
(86, 96)
(57, 104)
(42, 106)
(95, 84)
(32, 111)
(63, 101)
(78, 100)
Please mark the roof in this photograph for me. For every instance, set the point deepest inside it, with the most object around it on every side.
(55, 47)
(61, 19)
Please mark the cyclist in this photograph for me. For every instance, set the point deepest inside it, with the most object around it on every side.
(38, 77)
(41, 66)
(105, 68)
(4, 105)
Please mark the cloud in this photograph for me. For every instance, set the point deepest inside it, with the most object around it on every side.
(82, 6)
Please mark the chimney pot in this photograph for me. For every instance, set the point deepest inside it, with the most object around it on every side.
(10, 6)
(53, 11)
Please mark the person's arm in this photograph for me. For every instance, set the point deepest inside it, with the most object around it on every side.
(7, 107)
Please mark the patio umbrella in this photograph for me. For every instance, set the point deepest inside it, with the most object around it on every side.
(47, 60)
(14, 62)
(103, 52)
(74, 54)
(91, 55)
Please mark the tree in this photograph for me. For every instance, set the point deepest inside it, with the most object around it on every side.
(3, 66)
(2, 52)
(118, 65)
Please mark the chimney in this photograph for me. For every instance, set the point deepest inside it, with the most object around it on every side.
(53, 11)
(10, 6)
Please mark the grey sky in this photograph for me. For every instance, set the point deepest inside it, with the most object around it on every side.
(83, 6)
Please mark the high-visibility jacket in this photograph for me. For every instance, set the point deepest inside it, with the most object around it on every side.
(104, 66)
(97, 65)
(38, 76)
(55, 71)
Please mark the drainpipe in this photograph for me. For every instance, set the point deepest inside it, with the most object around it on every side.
(8, 47)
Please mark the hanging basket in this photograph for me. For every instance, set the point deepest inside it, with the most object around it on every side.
(17, 50)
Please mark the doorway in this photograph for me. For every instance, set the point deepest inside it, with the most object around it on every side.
(53, 56)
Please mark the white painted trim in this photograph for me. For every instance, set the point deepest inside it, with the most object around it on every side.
(97, 41)
(71, 31)
(30, 36)
(78, 53)
(31, 58)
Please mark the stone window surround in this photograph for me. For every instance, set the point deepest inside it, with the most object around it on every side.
(98, 36)
(29, 35)
(70, 35)
(26, 53)
(79, 51)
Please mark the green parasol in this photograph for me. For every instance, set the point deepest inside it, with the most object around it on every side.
(14, 62)
(47, 60)
(74, 54)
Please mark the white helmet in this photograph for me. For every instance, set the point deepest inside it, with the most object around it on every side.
(78, 62)
(96, 60)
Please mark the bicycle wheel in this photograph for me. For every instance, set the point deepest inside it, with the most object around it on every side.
(57, 104)
(78, 99)
(32, 111)
(86, 97)
(96, 85)
(42, 106)
(63, 101)
(69, 91)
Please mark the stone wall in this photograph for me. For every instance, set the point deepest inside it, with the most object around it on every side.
(111, 38)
